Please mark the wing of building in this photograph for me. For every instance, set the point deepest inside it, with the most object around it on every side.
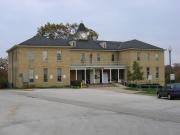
(43, 62)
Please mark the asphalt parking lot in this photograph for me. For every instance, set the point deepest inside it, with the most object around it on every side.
(86, 112)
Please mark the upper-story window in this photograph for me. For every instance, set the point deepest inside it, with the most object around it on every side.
(157, 56)
(30, 55)
(98, 57)
(82, 57)
(90, 58)
(59, 55)
(45, 55)
(113, 57)
(138, 56)
(148, 56)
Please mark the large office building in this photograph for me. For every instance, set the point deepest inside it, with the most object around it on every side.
(44, 62)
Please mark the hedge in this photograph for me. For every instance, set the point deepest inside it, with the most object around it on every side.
(144, 85)
(3, 83)
(76, 83)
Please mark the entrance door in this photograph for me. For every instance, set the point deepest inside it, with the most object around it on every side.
(105, 77)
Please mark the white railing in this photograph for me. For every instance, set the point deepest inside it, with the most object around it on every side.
(96, 63)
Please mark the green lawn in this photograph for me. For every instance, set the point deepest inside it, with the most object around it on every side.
(144, 91)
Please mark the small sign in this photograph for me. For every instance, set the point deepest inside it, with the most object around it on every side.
(172, 77)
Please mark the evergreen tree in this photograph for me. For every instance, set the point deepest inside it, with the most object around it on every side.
(136, 73)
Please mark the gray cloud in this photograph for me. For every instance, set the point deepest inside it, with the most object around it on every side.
(152, 21)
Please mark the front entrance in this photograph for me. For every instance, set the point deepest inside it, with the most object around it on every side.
(98, 75)
(105, 78)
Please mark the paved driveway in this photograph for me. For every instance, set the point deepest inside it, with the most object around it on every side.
(86, 112)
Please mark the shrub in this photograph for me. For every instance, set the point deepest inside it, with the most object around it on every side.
(76, 83)
(3, 83)
(150, 86)
(133, 85)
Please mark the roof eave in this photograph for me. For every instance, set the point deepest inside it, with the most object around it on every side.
(35, 46)
(12, 48)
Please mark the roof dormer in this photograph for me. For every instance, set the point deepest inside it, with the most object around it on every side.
(72, 43)
(103, 45)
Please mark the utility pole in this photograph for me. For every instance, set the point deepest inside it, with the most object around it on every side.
(170, 69)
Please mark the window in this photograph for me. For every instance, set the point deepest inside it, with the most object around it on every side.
(138, 56)
(31, 75)
(157, 72)
(90, 58)
(98, 57)
(82, 57)
(112, 58)
(45, 56)
(45, 76)
(59, 74)
(30, 55)
(148, 56)
(157, 57)
(148, 72)
(59, 55)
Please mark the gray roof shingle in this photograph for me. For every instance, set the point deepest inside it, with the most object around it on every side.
(89, 44)
(41, 41)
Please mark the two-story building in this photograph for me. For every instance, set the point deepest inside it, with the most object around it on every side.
(44, 62)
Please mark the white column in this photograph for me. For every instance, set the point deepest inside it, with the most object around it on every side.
(102, 78)
(110, 75)
(118, 75)
(85, 76)
(94, 76)
(76, 74)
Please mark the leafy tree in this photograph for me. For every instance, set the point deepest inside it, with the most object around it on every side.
(175, 69)
(136, 73)
(3, 72)
(129, 74)
(61, 31)
(167, 73)
(92, 34)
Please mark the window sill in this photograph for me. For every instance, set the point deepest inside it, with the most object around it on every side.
(59, 81)
(58, 61)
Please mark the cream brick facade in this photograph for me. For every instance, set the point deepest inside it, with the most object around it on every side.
(129, 56)
(19, 64)
(34, 62)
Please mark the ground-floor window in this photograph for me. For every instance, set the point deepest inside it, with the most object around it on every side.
(31, 75)
(147, 72)
(157, 72)
(45, 76)
(59, 74)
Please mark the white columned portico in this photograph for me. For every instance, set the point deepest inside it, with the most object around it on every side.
(110, 78)
(94, 79)
(118, 75)
(85, 76)
(102, 77)
(76, 73)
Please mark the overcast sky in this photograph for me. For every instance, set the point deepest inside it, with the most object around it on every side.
(153, 21)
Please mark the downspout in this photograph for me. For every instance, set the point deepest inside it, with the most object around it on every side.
(12, 71)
